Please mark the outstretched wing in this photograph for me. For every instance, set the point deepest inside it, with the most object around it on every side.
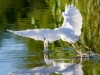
(38, 34)
(73, 17)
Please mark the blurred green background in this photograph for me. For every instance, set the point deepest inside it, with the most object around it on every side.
(30, 14)
(18, 14)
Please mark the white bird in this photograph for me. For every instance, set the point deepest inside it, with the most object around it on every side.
(69, 31)
(57, 66)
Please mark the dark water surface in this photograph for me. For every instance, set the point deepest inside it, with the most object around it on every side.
(24, 56)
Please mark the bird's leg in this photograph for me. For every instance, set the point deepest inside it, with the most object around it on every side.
(78, 51)
(85, 46)
(90, 52)
(73, 45)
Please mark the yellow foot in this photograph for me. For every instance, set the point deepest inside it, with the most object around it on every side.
(80, 54)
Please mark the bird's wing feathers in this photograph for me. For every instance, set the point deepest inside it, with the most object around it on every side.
(38, 34)
(67, 34)
(72, 21)
(73, 17)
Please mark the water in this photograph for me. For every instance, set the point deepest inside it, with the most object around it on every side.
(24, 56)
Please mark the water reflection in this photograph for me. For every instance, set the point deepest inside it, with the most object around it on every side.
(18, 55)
(8, 55)
(56, 66)
(64, 68)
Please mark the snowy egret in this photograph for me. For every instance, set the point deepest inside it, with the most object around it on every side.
(69, 31)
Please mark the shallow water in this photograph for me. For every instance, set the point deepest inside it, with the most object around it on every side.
(24, 56)
(17, 59)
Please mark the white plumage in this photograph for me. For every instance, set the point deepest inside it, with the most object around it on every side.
(38, 34)
(69, 31)
(72, 17)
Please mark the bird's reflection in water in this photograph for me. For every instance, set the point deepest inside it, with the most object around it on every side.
(57, 66)
(62, 67)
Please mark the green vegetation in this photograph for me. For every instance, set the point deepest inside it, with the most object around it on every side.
(17, 15)
(47, 14)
